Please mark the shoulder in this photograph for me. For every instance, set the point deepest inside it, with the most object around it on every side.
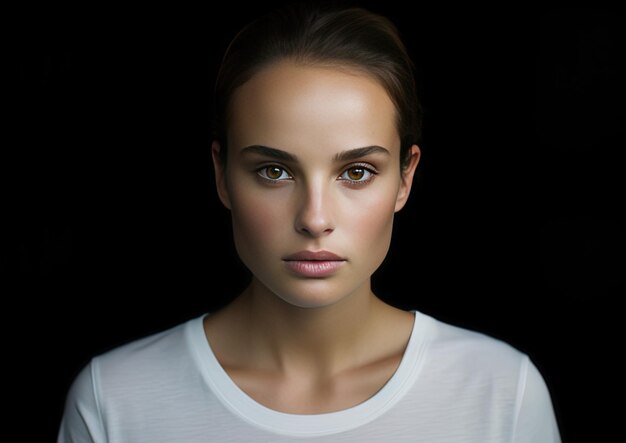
(473, 344)
(111, 383)
(146, 347)
(140, 362)
(473, 371)
(472, 351)
(467, 370)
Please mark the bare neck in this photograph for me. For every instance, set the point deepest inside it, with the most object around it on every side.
(278, 336)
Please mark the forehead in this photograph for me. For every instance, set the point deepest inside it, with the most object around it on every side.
(295, 107)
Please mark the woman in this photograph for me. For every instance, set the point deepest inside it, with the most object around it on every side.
(316, 144)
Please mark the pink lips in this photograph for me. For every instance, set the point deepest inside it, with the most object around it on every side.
(313, 264)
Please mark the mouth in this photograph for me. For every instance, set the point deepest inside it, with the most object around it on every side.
(314, 264)
(314, 256)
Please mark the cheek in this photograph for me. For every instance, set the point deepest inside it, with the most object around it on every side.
(371, 222)
(257, 222)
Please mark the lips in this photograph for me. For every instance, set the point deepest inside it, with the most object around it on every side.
(313, 256)
(314, 264)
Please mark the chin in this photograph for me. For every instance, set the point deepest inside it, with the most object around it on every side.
(312, 293)
(308, 303)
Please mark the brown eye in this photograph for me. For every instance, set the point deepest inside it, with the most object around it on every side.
(356, 174)
(275, 173)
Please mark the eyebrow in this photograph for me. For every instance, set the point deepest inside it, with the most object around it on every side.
(351, 154)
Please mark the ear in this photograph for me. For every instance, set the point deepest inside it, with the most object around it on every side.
(407, 178)
(220, 174)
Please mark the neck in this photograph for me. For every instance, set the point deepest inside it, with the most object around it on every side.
(319, 341)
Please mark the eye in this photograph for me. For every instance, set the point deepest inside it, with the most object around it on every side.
(273, 173)
(358, 174)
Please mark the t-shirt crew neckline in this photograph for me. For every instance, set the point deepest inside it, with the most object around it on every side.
(303, 425)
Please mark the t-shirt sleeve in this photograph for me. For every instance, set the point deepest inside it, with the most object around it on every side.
(535, 419)
(82, 421)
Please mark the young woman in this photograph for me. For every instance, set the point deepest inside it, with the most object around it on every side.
(316, 144)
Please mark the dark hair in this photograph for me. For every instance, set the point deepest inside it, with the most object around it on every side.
(311, 34)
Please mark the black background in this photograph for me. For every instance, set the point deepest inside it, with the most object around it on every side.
(514, 226)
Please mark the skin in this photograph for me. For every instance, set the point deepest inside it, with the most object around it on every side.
(300, 344)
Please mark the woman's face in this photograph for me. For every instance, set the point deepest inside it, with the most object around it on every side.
(313, 165)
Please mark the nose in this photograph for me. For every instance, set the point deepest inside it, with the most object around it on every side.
(314, 216)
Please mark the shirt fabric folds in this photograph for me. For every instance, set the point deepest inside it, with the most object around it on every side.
(452, 385)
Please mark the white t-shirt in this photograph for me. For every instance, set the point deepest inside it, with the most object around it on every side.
(452, 385)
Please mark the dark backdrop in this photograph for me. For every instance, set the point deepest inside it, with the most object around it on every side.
(513, 227)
